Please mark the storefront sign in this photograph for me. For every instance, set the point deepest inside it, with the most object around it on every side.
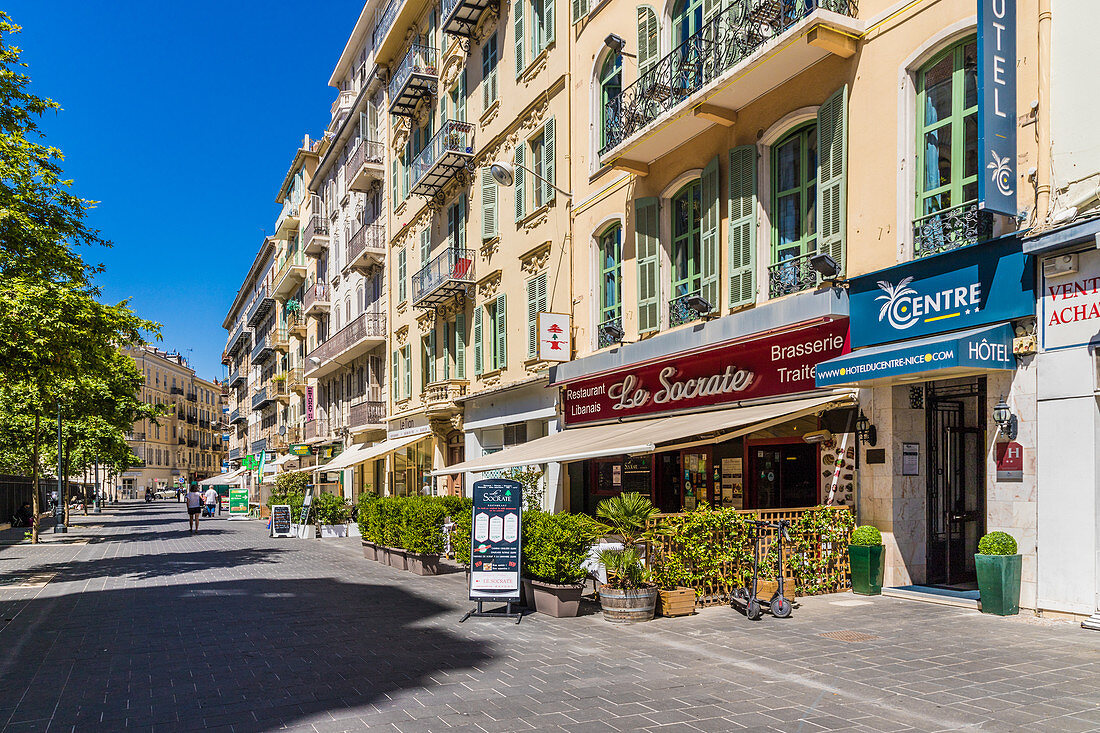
(1071, 304)
(238, 503)
(280, 519)
(555, 341)
(300, 449)
(764, 367)
(495, 540)
(985, 348)
(407, 426)
(1010, 462)
(309, 403)
(997, 105)
(972, 286)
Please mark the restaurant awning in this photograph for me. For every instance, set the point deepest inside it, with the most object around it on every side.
(224, 479)
(648, 436)
(361, 453)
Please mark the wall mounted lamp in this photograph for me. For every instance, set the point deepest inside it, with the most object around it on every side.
(865, 431)
(1005, 420)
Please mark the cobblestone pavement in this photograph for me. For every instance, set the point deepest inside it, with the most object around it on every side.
(130, 622)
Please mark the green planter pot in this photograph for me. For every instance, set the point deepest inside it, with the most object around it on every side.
(868, 564)
(999, 583)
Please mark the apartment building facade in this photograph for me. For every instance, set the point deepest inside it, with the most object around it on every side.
(184, 445)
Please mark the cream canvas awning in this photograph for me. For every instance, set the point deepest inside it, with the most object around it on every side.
(647, 436)
(362, 453)
(224, 479)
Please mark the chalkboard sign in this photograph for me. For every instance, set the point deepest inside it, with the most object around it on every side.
(280, 520)
(495, 540)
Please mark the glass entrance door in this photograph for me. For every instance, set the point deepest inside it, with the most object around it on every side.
(783, 475)
(695, 464)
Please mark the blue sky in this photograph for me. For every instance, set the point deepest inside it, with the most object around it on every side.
(181, 119)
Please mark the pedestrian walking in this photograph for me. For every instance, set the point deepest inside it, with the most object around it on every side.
(194, 506)
(211, 501)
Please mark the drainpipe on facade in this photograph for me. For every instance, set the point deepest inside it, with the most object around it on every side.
(1042, 121)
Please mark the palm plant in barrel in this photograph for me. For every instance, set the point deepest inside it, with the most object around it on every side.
(866, 558)
(999, 567)
(629, 594)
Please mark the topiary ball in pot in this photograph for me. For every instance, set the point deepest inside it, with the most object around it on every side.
(866, 536)
(867, 560)
(999, 567)
(997, 543)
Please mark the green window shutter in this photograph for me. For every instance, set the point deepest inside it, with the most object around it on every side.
(832, 173)
(532, 318)
(460, 230)
(742, 225)
(710, 270)
(408, 370)
(580, 9)
(401, 273)
(460, 346)
(649, 39)
(395, 378)
(442, 109)
(547, 22)
(425, 246)
(429, 369)
(479, 348)
(488, 204)
(446, 349)
(521, 208)
(547, 161)
(648, 251)
(460, 113)
(501, 354)
(451, 226)
(517, 11)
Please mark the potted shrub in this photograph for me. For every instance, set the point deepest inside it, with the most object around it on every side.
(422, 534)
(675, 597)
(390, 510)
(629, 595)
(866, 558)
(999, 566)
(555, 547)
(331, 512)
(368, 521)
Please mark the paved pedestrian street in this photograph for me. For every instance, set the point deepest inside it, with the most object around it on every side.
(131, 623)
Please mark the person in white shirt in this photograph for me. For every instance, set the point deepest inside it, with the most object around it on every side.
(211, 500)
(194, 506)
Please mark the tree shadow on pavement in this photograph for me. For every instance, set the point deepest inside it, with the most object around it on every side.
(255, 654)
(158, 565)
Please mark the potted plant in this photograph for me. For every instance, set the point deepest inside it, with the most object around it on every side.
(629, 595)
(866, 555)
(369, 525)
(422, 534)
(391, 510)
(999, 566)
(675, 597)
(331, 512)
(554, 550)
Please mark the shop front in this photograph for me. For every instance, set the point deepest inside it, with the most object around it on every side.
(724, 413)
(940, 347)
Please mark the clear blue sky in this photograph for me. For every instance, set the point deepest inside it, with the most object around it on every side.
(181, 119)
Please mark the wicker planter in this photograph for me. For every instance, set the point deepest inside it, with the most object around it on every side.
(370, 550)
(677, 602)
(628, 606)
(396, 557)
(422, 564)
(559, 601)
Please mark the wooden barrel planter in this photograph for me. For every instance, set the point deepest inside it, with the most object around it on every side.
(628, 606)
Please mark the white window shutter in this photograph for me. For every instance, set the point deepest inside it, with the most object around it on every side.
(649, 39)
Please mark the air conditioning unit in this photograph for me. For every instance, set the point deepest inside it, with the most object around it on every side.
(1060, 266)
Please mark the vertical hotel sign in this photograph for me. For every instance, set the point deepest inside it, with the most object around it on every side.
(997, 110)
(309, 403)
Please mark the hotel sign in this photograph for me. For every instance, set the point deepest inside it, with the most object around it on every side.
(969, 287)
(743, 370)
(997, 110)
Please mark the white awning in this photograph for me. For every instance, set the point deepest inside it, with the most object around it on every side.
(224, 479)
(283, 459)
(646, 436)
(362, 453)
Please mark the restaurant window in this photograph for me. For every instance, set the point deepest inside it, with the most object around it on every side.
(794, 195)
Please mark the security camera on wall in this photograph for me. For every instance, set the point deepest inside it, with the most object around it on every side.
(817, 436)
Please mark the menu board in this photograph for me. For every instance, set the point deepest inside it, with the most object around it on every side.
(280, 520)
(732, 483)
(495, 540)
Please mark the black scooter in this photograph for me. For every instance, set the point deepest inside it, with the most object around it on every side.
(747, 598)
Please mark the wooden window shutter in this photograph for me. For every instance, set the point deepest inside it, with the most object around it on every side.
(547, 22)
(742, 225)
(460, 346)
(832, 173)
(547, 162)
(711, 267)
(580, 9)
(488, 204)
(501, 352)
(517, 11)
(521, 160)
(479, 348)
(649, 39)
(647, 247)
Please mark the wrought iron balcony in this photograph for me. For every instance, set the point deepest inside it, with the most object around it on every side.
(603, 340)
(192, 443)
(236, 417)
(315, 234)
(239, 337)
(280, 339)
(262, 399)
(460, 17)
(950, 229)
(181, 440)
(237, 378)
(679, 312)
(264, 348)
(449, 274)
(176, 390)
(135, 436)
(365, 166)
(291, 274)
(367, 247)
(296, 323)
(260, 307)
(355, 339)
(316, 300)
(792, 275)
(366, 413)
(258, 445)
(193, 419)
(234, 454)
(192, 396)
(297, 379)
(416, 76)
(449, 151)
(383, 20)
(726, 45)
(288, 220)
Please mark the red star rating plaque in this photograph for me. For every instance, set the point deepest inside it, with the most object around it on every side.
(555, 337)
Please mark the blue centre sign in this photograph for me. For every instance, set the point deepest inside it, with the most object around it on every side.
(974, 286)
(997, 111)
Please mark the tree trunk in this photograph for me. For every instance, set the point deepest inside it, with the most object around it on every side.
(34, 483)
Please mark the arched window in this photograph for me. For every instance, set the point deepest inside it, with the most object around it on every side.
(687, 20)
(686, 240)
(794, 195)
(347, 310)
(359, 298)
(610, 254)
(611, 84)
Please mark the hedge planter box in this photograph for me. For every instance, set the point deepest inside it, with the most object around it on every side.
(867, 563)
(559, 601)
(999, 583)
(396, 558)
(526, 593)
(422, 564)
(677, 602)
(628, 606)
(370, 550)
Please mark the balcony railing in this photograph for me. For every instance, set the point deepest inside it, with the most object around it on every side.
(192, 443)
(176, 390)
(365, 166)
(315, 234)
(235, 417)
(416, 76)
(367, 247)
(237, 377)
(367, 327)
(604, 339)
(258, 445)
(279, 389)
(193, 419)
(296, 378)
(290, 274)
(679, 312)
(262, 399)
(384, 18)
(135, 436)
(441, 395)
(734, 34)
(260, 307)
(240, 335)
(792, 275)
(446, 154)
(366, 413)
(296, 323)
(343, 102)
(280, 339)
(192, 396)
(950, 229)
(460, 17)
(288, 216)
(182, 440)
(234, 454)
(264, 348)
(449, 273)
(315, 301)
